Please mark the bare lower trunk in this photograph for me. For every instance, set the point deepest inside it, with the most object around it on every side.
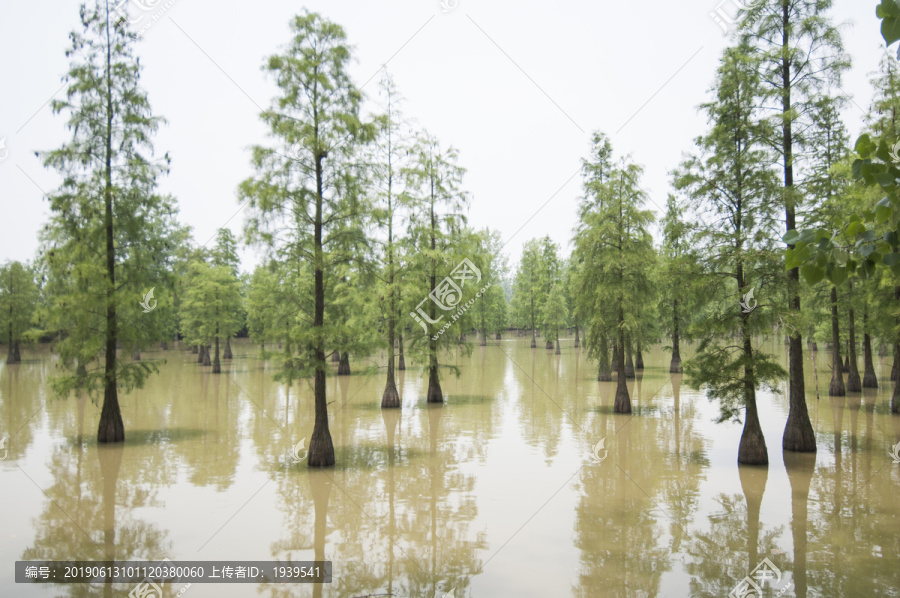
(675, 364)
(498, 337)
(836, 388)
(195, 349)
(623, 401)
(401, 359)
(629, 363)
(854, 384)
(344, 365)
(752, 449)
(136, 355)
(604, 373)
(557, 347)
(870, 380)
(227, 354)
(16, 353)
(577, 340)
(614, 364)
(390, 398)
(200, 353)
(336, 357)
(217, 365)
(206, 359)
(435, 394)
(548, 345)
(638, 359)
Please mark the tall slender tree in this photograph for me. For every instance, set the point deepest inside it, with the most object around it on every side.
(801, 55)
(305, 199)
(95, 243)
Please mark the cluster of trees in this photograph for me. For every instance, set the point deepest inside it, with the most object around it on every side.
(361, 218)
(775, 158)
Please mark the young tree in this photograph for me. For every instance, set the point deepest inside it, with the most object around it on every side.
(95, 243)
(615, 251)
(526, 288)
(732, 185)
(801, 54)
(677, 275)
(18, 298)
(225, 254)
(437, 225)
(304, 199)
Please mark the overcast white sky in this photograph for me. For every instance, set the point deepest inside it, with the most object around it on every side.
(517, 87)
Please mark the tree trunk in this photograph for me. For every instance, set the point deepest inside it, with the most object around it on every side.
(895, 399)
(614, 364)
(111, 428)
(390, 398)
(483, 338)
(136, 355)
(206, 358)
(675, 364)
(435, 394)
(336, 357)
(896, 361)
(623, 401)
(752, 449)
(401, 360)
(870, 380)
(798, 432)
(638, 359)
(217, 365)
(11, 353)
(577, 340)
(227, 354)
(200, 351)
(800, 470)
(836, 388)
(629, 363)
(164, 346)
(321, 448)
(195, 349)
(604, 373)
(557, 347)
(344, 365)
(548, 345)
(498, 337)
(853, 382)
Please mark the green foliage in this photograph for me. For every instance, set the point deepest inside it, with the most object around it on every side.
(211, 305)
(18, 299)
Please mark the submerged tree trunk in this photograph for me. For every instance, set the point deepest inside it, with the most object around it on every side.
(344, 365)
(321, 448)
(206, 359)
(752, 449)
(870, 380)
(498, 337)
(896, 362)
(227, 354)
(195, 349)
(675, 364)
(11, 353)
(200, 351)
(557, 347)
(136, 355)
(577, 340)
(217, 365)
(390, 398)
(548, 345)
(629, 364)
(604, 373)
(111, 428)
(638, 359)
(401, 359)
(836, 388)
(336, 357)
(623, 401)
(853, 382)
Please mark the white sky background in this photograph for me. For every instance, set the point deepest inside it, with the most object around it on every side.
(635, 70)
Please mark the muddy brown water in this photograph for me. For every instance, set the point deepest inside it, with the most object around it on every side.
(524, 483)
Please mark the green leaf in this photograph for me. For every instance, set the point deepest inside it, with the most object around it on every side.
(791, 237)
(882, 214)
(812, 274)
(838, 275)
(885, 180)
(864, 147)
(867, 250)
(891, 259)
